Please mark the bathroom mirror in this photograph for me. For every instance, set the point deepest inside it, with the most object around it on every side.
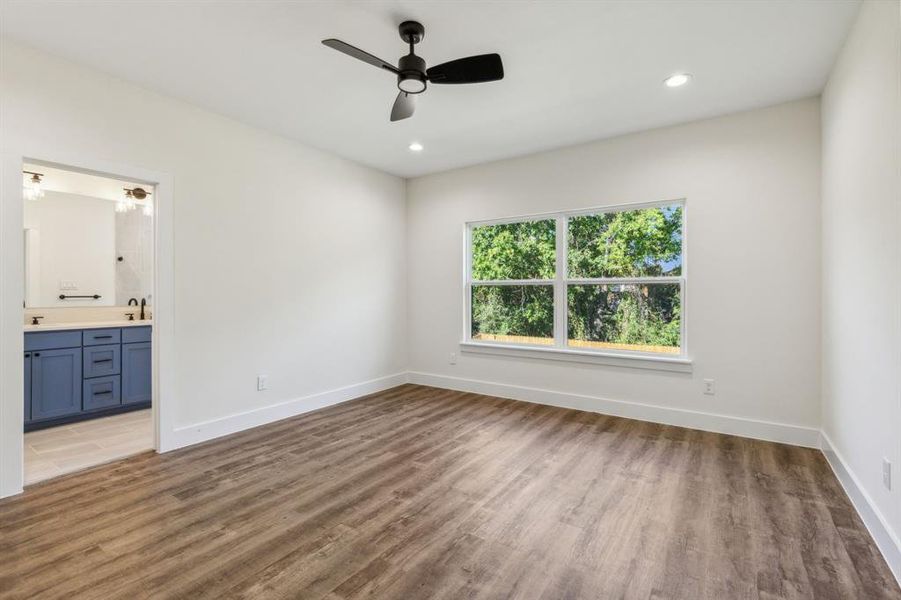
(88, 241)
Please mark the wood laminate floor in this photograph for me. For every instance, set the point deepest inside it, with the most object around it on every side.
(75, 446)
(425, 493)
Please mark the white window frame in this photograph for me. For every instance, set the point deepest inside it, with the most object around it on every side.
(560, 350)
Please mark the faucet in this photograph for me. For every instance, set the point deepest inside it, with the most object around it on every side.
(132, 300)
(143, 304)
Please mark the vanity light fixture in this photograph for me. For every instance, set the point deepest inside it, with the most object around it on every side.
(416, 147)
(33, 189)
(129, 202)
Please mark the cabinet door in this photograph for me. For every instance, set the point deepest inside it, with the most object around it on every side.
(55, 383)
(136, 373)
(27, 387)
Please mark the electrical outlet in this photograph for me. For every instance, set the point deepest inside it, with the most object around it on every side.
(262, 382)
(887, 474)
(709, 387)
(452, 359)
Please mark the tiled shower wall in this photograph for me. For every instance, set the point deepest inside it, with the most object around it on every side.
(134, 256)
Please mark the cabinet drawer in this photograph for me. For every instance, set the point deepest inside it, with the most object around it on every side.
(96, 337)
(50, 340)
(101, 392)
(100, 361)
(131, 335)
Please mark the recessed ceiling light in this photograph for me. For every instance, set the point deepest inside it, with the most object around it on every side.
(677, 79)
(416, 147)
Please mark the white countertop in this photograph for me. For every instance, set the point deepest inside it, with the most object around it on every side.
(86, 325)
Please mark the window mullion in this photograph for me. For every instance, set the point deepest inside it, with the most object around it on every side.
(467, 282)
(560, 284)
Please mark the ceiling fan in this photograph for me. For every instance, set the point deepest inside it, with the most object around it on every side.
(412, 74)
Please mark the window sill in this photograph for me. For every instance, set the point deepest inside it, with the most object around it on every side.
(675, 364)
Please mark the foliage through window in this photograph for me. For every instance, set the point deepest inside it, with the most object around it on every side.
(605, 280)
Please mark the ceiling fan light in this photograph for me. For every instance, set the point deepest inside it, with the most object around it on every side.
(411, 83)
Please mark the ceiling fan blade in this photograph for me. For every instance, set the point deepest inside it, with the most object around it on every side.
(359, 54)
(404, 105)
(472, 69)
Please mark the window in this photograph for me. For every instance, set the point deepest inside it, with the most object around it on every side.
(606, 281)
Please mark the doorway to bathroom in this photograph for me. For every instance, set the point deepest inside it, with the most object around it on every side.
(88, 250)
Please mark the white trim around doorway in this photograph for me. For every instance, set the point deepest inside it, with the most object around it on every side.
(12, 293)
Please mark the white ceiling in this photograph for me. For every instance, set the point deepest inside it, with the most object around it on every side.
(575, 71)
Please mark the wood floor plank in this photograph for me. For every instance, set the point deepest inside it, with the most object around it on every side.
(420, 492)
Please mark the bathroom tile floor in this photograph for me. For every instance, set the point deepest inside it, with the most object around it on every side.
(67, 448)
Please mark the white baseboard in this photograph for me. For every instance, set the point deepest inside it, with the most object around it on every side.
(886, 539)
(208, 430)
(796, 435)
(751, 428)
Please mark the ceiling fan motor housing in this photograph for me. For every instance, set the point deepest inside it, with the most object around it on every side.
(411, 78)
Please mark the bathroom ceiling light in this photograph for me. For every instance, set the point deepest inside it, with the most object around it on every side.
(33, 189)
(416, 147)
(677, 80)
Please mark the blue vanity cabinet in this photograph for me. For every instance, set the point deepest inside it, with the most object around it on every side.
(137, 372)
(55, 383)
(72, 375)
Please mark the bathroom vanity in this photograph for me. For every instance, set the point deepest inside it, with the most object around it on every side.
(76, 372)
(88, 299)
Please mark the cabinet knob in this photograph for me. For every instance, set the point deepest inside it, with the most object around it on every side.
(28, 355)
(36, 354)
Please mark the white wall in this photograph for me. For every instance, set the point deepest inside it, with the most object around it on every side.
(751, 181)
(287, 261)
(861, 112)
(77, 240)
